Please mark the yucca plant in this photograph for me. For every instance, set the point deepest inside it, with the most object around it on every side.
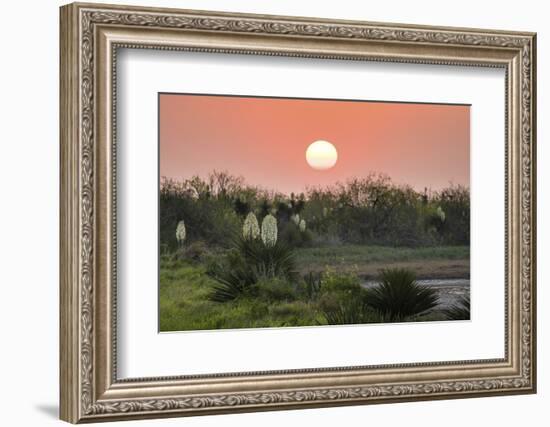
(399, 296)
(232, 283)
(276, 260)
(350, 312)
(460, 310)
(254, 261)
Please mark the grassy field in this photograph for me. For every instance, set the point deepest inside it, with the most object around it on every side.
(366, 261)
(185, 286)
(184, 304)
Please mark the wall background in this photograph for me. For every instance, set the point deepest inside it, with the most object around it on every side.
(29, 170)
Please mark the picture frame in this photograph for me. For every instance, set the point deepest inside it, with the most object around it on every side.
(91, 36)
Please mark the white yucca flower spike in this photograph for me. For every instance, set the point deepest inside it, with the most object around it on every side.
(251, 228)
(441, 214)
(295, 219)
(269, 230)
(180, 232)
(303, 225)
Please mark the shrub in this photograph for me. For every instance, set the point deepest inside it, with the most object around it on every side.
(454, 201)
(343, 301)
(289, 309)
(310, 287)
(208, 218)
(290, 234)
(307, 237)
(295, 313)
(368, 210)
(460, 310)
(195, 251)
(275, 289)
(346, 285)
(293, 236)
(399, 296)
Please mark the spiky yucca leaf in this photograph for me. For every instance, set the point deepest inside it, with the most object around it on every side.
(232, 283)
(257, 261)
(349, 313)
(460, 310)
(399, 296)
(268, 261)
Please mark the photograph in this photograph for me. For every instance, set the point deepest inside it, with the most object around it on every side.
(307, 212)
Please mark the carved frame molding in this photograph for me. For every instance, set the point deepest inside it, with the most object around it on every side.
(90, 36)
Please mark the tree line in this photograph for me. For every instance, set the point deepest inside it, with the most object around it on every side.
(371, 210)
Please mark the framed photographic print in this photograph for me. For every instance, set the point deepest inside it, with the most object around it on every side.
(263, 212)
(264, 224)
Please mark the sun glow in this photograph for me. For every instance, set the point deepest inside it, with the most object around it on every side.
(321, 155)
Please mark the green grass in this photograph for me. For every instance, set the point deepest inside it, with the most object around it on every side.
(184, 304)
(356, 254)
(185, 287)
(366, 261)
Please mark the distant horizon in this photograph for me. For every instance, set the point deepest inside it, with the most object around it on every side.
(246, 183)
(264, 140)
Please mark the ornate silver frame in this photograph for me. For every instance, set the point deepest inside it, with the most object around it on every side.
(90, 36)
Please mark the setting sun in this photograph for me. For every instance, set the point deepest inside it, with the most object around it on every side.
(321, 155)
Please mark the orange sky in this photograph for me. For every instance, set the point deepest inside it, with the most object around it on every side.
(265, 140)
